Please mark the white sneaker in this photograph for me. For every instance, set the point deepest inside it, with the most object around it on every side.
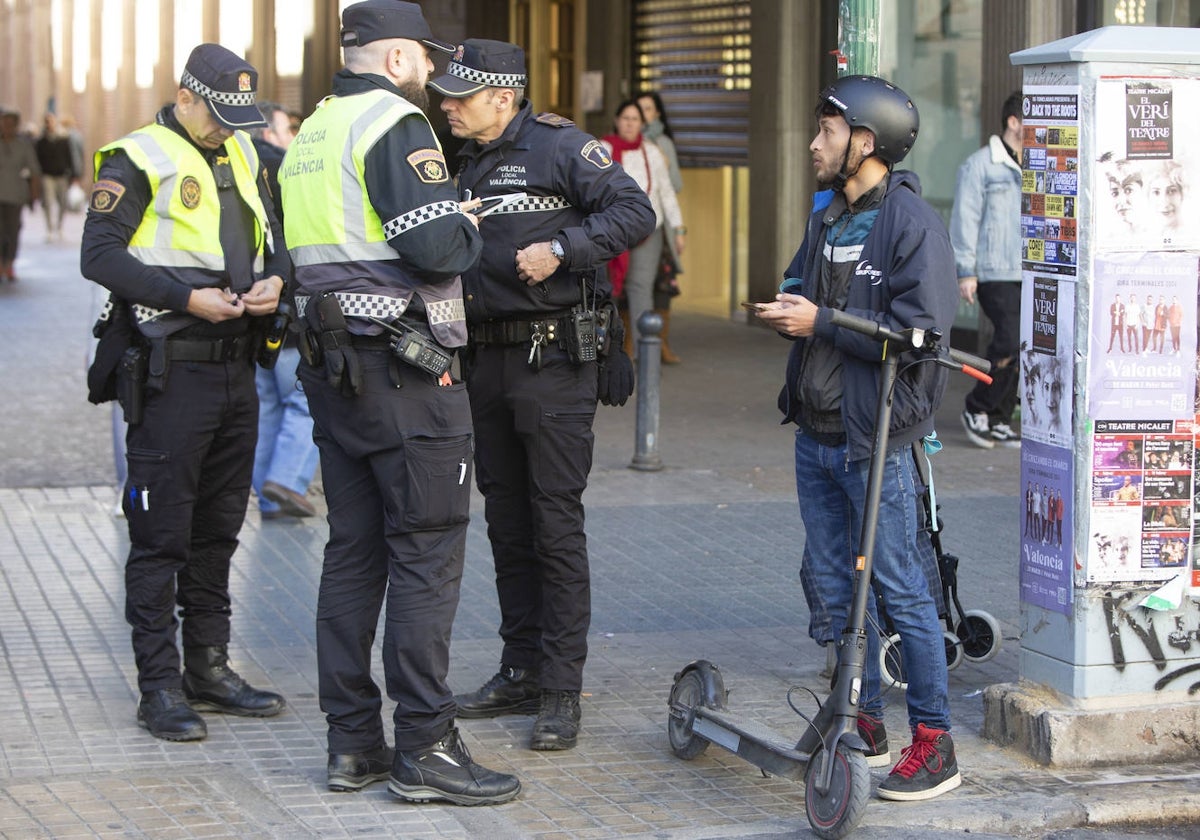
(1003, 434)
(976, 427)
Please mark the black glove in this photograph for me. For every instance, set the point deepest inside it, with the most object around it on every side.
(615, 377)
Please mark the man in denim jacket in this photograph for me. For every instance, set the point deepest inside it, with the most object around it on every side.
(985, 229)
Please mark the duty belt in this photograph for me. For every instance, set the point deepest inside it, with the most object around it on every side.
(520, 331)
(229, 349)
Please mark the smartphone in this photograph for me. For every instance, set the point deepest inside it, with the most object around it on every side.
(753, 307)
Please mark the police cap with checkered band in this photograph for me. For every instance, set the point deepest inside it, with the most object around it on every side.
(227, 83)
(478, 63)
(376, 20)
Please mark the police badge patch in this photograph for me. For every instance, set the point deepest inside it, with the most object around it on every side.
(595, 154)
(429, 165)
(106, 195)
(189, 193)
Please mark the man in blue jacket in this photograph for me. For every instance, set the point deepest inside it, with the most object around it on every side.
(875, 249)
(985, 229)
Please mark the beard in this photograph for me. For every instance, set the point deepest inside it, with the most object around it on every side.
(415, 92)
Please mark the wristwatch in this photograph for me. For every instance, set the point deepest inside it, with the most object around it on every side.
(557, 250)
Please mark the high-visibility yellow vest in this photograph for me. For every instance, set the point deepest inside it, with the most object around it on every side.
(330, 219)
(181, 228)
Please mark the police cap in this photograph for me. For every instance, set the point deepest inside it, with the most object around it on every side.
(375, 20)
(227, 83)
(478, 63)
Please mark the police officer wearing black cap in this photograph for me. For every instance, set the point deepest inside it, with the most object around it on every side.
(379, 241)
(181, 231)
(545, 344)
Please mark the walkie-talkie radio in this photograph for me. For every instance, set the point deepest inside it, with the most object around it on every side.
(415, 349)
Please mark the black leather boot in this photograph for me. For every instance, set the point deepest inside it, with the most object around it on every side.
(167, 715)
(212, 686)
(511, 691)
(354, 771)
(557, 724)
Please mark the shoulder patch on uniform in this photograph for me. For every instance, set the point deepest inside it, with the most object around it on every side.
(106, 195)
(553, 119)
(595, 154)
(429, 164)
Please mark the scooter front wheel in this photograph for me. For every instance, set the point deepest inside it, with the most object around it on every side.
(835, 813)
(687, 694)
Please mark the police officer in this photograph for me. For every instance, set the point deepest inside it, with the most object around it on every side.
(180, 230)
(533, 304)
(376, 232)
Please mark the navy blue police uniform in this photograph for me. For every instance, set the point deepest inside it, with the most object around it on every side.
(190, 455)
(533, 406)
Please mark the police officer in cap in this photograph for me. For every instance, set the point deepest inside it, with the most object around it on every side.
(181, 231)
(545, 344)
(379, 239)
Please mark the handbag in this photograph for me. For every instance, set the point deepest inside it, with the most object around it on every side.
(75, 198)
(666, 280)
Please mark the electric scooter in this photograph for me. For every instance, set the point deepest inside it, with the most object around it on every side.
(829, 755)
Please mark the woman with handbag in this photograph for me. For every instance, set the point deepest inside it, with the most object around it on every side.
(666, 284)
(647, 166)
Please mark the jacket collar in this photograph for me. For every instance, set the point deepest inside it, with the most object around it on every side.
(1000, 153)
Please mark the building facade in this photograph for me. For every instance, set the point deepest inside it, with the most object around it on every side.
(739, 78)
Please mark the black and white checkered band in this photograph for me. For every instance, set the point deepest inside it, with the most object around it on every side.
(362, 305)
(419, 216)
(445, 311)
(479, 77)
(192, 83)
(535, 204)
(145, 314)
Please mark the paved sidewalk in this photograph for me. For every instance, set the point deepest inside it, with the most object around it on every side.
(696, 561)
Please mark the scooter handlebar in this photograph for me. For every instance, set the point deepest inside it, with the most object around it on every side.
(925, 340)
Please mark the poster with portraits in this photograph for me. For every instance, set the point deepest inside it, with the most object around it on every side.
(1046, 541)
(1047, 357)
(1146, 135)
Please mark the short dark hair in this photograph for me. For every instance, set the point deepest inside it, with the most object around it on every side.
(1012, 108)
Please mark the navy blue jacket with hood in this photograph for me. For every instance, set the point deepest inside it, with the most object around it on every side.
(905, 278)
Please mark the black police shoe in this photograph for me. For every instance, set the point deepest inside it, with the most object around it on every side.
(167, 715)
(446, 771)
(354, 771)
(557, 724)
(212, 686)
(511, 691)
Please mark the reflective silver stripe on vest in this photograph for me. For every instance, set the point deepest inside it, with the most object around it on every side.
(419, 216)
(164, 234)
(174, 258)
(535, 204)
(329, 253)
(363, 305)
(353, 208)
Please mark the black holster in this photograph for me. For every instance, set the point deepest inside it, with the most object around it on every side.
(116, 334)
(327, 324)
(131, 383)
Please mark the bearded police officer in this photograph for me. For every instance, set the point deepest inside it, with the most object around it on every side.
(541, 320)
(379, 239)
(180, 229)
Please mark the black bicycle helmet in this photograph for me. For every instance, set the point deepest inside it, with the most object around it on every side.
(874, 103)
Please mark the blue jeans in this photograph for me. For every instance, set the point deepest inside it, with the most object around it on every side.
(286, 453)
(832, 493)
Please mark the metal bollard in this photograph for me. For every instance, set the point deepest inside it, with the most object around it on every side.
(649, 370)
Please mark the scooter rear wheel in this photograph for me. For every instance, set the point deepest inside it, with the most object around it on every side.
(688, 693)
(835, 813)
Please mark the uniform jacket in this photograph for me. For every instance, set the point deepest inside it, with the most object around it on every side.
(985, 223)
(905, 279)
(112, 222)
(407, 188)
(576, 193)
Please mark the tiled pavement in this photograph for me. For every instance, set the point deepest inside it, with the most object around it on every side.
(696, 561)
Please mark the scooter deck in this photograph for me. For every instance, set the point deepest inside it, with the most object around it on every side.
(753, 741)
